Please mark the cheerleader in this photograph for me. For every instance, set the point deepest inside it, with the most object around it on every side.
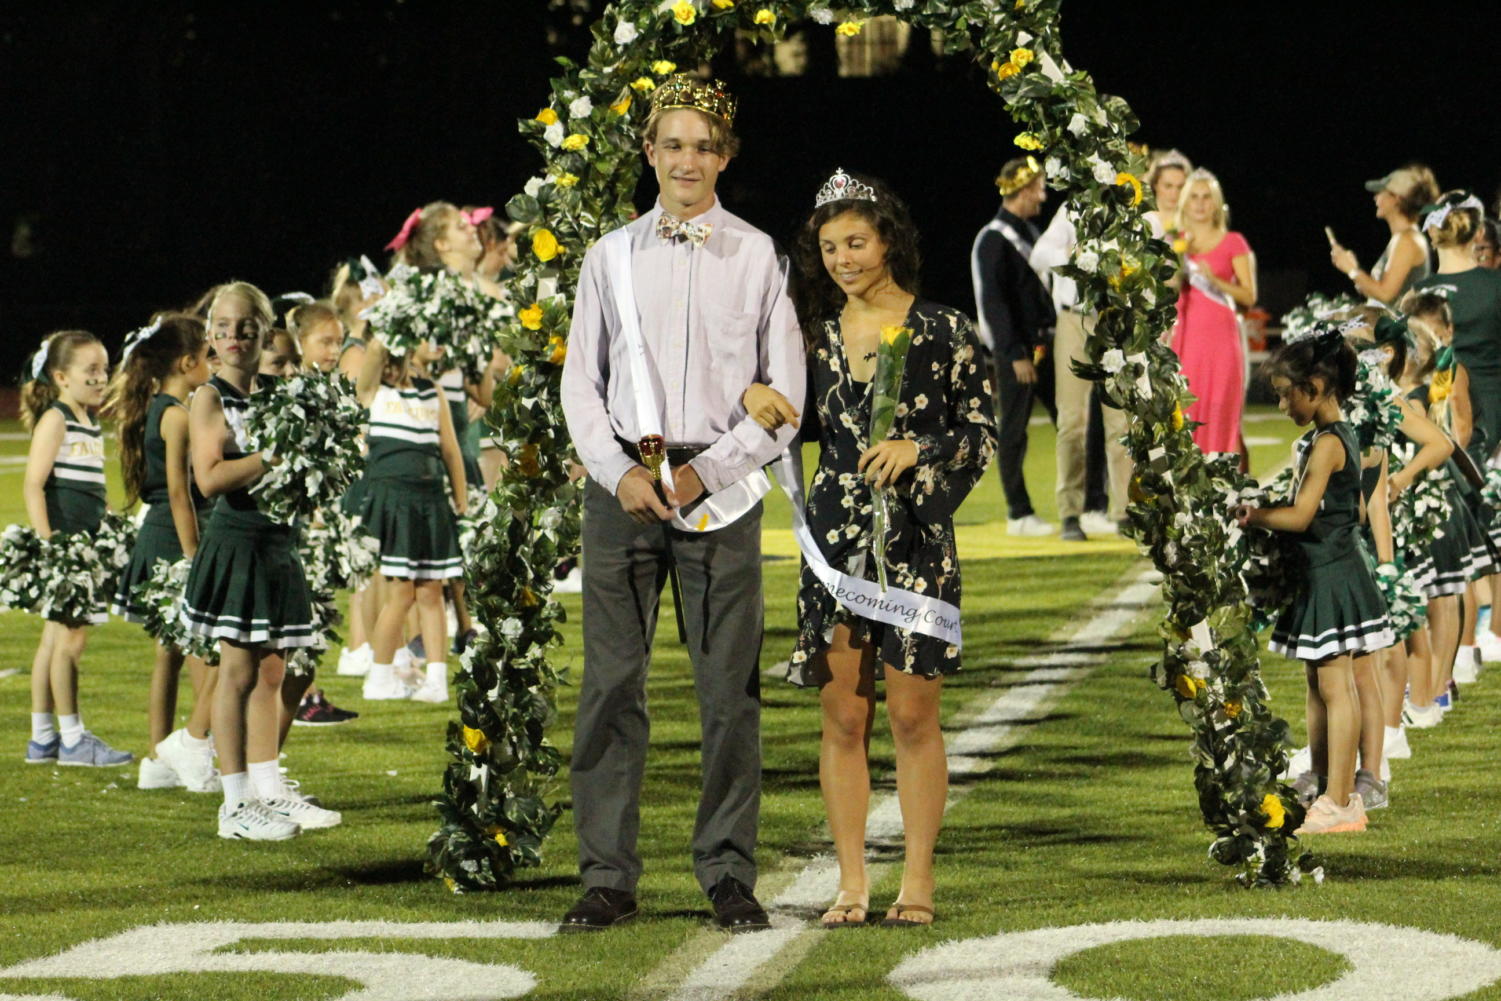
(1338, 612)
(64, 492)
(319, 334)
(279, 358)
(412, 448)
(161, 366)
(246, 588)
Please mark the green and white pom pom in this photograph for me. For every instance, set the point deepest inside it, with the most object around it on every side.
(80, 569)
(440, 308)
(312, 421)
(337, 553)
(1374, 413)
(23, 556)
(1420, 512)
(160, 594)
(1405, 604)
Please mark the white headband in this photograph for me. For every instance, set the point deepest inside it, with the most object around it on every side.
(135, 337)
(39, 360)
(370, 285)
(1436, 218)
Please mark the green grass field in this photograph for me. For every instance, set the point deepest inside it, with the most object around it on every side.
(1085, 814)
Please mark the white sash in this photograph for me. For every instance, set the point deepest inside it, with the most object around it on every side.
(1199, 280)
(715, 510)
(894, 606)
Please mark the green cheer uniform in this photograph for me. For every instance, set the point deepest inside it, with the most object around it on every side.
(452, 384)
(1338, 608)
(74, 491)
(1474, 297)
(246, 584)
(405, 506)
(157, 538)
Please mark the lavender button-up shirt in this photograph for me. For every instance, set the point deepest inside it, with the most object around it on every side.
(714, 320)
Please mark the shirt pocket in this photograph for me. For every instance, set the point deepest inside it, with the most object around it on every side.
(734, 353)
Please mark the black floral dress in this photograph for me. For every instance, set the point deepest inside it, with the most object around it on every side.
(945, 408)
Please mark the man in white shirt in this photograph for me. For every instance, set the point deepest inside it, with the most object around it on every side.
(710, 294)
(1072, 394)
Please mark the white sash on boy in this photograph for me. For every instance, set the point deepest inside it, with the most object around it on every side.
(895, 606)
(715, 510)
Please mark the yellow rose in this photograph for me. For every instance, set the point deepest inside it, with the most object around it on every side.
(1028, 141)
(544, 245)
(531, 317)
(1177, 417)
(1232, 709)
(642, 84)
(576, 142)
(1021, 57)
(515, 374)
(476, 740)
(526, 461)
(724, 4)
(566, 180)
(1125, 178)
(495, 831)
(557, 350)
(527, 598)
(662, 67)
(452, 886)
(623, 105)
(684, 12)
(1187, 686)
(1180, 245)
(890, 334)
(1005, 70)
(849, 29)
(764, 16)
(1276, 813)
(547, 116)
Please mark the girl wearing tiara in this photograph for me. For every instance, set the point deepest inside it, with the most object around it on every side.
(859, 262)
(412, 451)
(1338, 611)
(160, 368)
(64, 492)
(246, 588)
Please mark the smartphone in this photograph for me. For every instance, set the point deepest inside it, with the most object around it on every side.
(1330, 234)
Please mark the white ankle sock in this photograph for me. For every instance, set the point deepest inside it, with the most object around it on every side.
(43, 728)
(236, 788)
(437, 672)
(190, 741)
(72, 729)
(265, 779)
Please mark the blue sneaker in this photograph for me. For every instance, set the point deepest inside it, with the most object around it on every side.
(92, 752)
(40, 754)
(1443, 702)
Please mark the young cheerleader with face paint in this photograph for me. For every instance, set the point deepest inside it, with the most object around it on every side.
(64, 492)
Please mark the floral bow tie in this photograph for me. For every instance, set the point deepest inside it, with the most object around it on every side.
(670, 227)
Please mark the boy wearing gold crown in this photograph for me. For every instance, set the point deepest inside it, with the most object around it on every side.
(676, 316)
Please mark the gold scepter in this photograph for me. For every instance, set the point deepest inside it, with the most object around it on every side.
(653, 452)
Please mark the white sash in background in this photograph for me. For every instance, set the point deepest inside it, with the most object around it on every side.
(1199, 280)
(895, 606)
(715, 510)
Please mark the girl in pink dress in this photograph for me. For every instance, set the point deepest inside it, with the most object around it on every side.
(1219, 277)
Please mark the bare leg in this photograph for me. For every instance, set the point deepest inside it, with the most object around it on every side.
(386, 636)
(1336, 687)
(1420, 665)
(1372, 715)
(41, 669)
(431, 620)
(1470, 614)
(922, 779)
(1318, 724)
(1443, 624)
(293, 688)
(358, 635)
(263, 710)
(1493, 586)
(67, 651)
(204, 679)
(848, 703)
(460, 606)
(1393, 682)
(161, 710)
(237, 676)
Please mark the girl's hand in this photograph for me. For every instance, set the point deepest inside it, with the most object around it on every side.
(768, 408)
(1243, 514)
(885, 462)
(1343, 259)
(1396, 483)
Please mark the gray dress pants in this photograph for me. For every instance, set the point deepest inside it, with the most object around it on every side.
(625, 567)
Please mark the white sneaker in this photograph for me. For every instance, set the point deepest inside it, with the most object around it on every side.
(251, 821)
(1031, 525)
(1396, 744)
(157, 774)
(434, 687)
(300, 813)
(1467, 665)
(572, 584)
(1300, 762)
(1097, 523)
(356, 663)
(194, 767)
(1423, 718)
(402, 660)
(1489, 645)
(381, 684)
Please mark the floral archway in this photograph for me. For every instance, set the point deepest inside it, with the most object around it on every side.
(494, 809)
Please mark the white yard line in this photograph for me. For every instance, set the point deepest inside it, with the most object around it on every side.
(1076, 652)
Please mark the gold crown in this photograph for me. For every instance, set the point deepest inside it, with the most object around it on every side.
(685, 91)
(1018, 177)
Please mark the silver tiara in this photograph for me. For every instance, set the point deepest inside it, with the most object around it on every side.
(843, 187)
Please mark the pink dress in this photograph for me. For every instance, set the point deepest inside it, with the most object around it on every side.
(1206, 339)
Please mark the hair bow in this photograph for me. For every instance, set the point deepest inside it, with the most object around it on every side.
(1391, 330)
(39, 360)
(134, 339)
(400, 239)
(369, 280)
(476, 216)
(1436, 214)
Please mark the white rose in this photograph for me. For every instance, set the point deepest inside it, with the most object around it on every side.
(823, 15)
(1087, 259)
(1103, 172)
(553, 134)
(903, 4)
(580, 107)
(625, 33)
(1113, 360)
(1078, 125)
(534, 185)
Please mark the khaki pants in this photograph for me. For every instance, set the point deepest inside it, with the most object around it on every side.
(1072, 394)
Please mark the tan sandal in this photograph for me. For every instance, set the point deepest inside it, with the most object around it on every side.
(894, 917)
(844, 911)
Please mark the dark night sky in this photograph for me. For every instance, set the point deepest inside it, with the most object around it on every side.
(161, 148)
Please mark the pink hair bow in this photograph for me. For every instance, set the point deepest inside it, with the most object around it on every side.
(400, 239)
(479, 215)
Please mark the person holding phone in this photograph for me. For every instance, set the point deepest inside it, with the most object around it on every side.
(1400, 197)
